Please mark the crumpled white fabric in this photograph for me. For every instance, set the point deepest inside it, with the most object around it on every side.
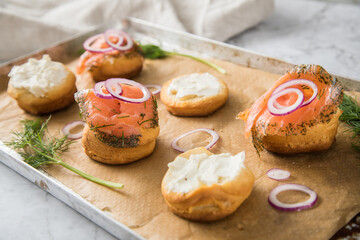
(28, 25)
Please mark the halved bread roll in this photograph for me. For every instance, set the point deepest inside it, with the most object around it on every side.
(102, 152)
(123, 65)
(194, 94)
(319, 137)
(202, 186)
(42, 86)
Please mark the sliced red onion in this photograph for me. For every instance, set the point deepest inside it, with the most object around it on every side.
(278, 174)
(68, 127)
(114, 82)
(288, 109)
(157, 88)
(214, 135)
(273, 201)
(99, 92)
(88, 42)
(122, 37)
(294, 82)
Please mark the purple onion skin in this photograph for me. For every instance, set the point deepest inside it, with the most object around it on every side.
(294, 208)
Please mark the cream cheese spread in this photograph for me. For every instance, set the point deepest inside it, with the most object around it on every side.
(38, 76)
(186, 175)
(196, 84)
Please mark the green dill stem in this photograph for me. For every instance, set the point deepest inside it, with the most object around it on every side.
(92, 178)
(124, 116)
(79, 172)
(216, 67)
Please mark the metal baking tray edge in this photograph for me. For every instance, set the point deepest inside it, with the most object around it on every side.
(67, 49)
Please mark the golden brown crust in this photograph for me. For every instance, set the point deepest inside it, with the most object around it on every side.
(57, 98)
(319, 137)
(196, 106)
(104, 153)
(121, 66)
(209, 203)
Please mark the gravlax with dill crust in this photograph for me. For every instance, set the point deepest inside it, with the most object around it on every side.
(117, 123)
(307, 128)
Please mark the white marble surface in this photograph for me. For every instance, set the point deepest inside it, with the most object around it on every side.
(310, 32)
(300, 31)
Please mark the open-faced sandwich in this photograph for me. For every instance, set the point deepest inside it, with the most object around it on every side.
(42, 86)
(113, 54)
(122, 121)
(197, 94)
(300, 113)
(202, 186)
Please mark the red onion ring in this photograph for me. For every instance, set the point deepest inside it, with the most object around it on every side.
(99, 93)
(116, 81)
(88, 42)
(298, 82)
(122, 36)
(214, 134)
(273, 201)
(68, 127)
(278, 174)
(157, 88)
(288, 109)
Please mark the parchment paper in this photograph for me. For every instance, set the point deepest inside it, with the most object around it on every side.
(333, 174)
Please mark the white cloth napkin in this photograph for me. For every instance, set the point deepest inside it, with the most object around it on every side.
(26, 25)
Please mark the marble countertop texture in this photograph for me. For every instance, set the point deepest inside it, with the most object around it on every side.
(299, 31)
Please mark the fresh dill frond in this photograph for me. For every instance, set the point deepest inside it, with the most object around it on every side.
(96, 108)
(38, 149)
(154, 52)
(351, 116)
(124, 116)
(147, 120)
(102, 126)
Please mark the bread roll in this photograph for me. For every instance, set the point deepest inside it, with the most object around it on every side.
(118, 132)
(122, 65)
(202, 186)
(111, 64)
(194, 94)
(319, 137)
(299, 114)
(42, 86)
(105, 153)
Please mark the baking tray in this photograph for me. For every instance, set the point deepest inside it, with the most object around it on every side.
(146, 32)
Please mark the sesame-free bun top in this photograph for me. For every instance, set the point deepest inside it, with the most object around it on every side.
(196, 94)
(202, 186)
(42, 86)
(113, 64)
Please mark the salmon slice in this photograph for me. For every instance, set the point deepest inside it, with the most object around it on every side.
(259, 121)
(116, 122)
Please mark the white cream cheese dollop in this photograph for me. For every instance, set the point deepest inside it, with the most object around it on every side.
(38, 76)
(186, 175)
(196, 84)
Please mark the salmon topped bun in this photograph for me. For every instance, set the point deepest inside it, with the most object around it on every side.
(300, 113)
(113, 54)
(122, 121)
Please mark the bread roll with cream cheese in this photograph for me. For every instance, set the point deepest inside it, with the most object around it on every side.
(42, 86)
(197, 94)
(202, 186)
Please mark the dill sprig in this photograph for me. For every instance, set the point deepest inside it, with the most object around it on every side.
(351, 116)
(38, 149)
(154, 52)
